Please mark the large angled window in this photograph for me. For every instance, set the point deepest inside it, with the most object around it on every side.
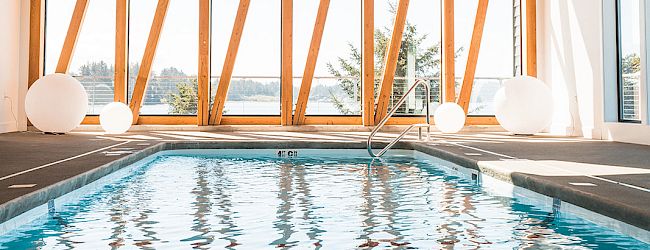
(495, 61)
(94, 54)
(419, 55)
(336, 86)
(172, 88)
(629, 60)
(255, 84)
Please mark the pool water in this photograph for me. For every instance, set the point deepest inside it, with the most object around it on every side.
(247, 200)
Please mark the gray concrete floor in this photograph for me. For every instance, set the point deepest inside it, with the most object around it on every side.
(618, 172)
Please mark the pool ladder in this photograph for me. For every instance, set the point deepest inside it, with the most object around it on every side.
(390, 114)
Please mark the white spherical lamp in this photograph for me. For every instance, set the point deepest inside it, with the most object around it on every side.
(116, 118)
(524, 105)
(449, 118)
(56, 103)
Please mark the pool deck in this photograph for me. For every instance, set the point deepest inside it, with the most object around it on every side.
(609, 178)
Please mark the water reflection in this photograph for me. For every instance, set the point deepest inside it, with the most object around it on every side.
(305, 203)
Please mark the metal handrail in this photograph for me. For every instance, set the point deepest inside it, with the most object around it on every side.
(392, 111)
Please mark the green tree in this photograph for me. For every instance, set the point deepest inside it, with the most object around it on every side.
(185, 100)
(427, 63)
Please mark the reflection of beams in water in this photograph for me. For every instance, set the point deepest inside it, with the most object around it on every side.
(368, 208)
(284, 212)
(202, 206)
(142, 204)
(224, 201)
(307, 204)
(446, 230)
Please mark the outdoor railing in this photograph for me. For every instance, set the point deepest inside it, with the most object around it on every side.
(260, 95)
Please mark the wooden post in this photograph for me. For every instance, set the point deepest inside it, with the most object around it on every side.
(368, 63)
(472, 57)
(36, 24)
(71, 38)
(147, 59)
(448, 51)
(229, 63)
(310, 65)
(392, 55)
(531, 38)
(286, 95)
(121, 50)
(203, 80)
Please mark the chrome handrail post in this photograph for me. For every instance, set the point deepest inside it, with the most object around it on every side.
(393, 111)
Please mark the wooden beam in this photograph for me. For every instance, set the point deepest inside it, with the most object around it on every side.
(71, 38)
(286, 88)
(275, 120)
(390, 66)
(229, 63)
(121, 50)
(203, 95)
(310, 65)
(531, 38)
(448, 51)
(36, 24)
(368, 63)
(147, 59)
(472, 57)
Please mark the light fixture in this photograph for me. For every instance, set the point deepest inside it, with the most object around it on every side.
(524, 105)
(449, 118)
(56, 103)
(116, 118)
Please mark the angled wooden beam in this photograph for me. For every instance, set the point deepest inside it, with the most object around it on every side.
(203, 105)
(531, 38)
(71, 38)
(36, 24)
(368, 63)
(286, 86)
(147, 59)
(472, 57)
(229, 63)
(390, 66)
(448, 52)
(310, 65)
(121, 50)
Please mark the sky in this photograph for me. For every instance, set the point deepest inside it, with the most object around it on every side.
(259, 52)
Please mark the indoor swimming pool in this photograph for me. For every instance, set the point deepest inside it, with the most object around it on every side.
(304, 199)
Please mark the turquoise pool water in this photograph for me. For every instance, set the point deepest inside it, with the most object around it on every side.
(250, 199)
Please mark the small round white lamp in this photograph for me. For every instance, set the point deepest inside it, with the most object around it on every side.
(56, 103)
(116, 118)
(449, 118)
(524, 105)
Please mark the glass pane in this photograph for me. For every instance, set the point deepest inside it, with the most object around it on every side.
(419, 56)
(94, 55)
(630, 62)
(172, 87)
(255, 84)
(336, 88)
(496, 56)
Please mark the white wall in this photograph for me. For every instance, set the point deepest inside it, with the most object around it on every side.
(13, 64)
(570, 61)
(577, 58)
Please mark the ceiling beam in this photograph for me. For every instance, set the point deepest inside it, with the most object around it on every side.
(310, 65)
(229, 64)
(147, 59)
(71, 37)
(392, 55)
(472, 56)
